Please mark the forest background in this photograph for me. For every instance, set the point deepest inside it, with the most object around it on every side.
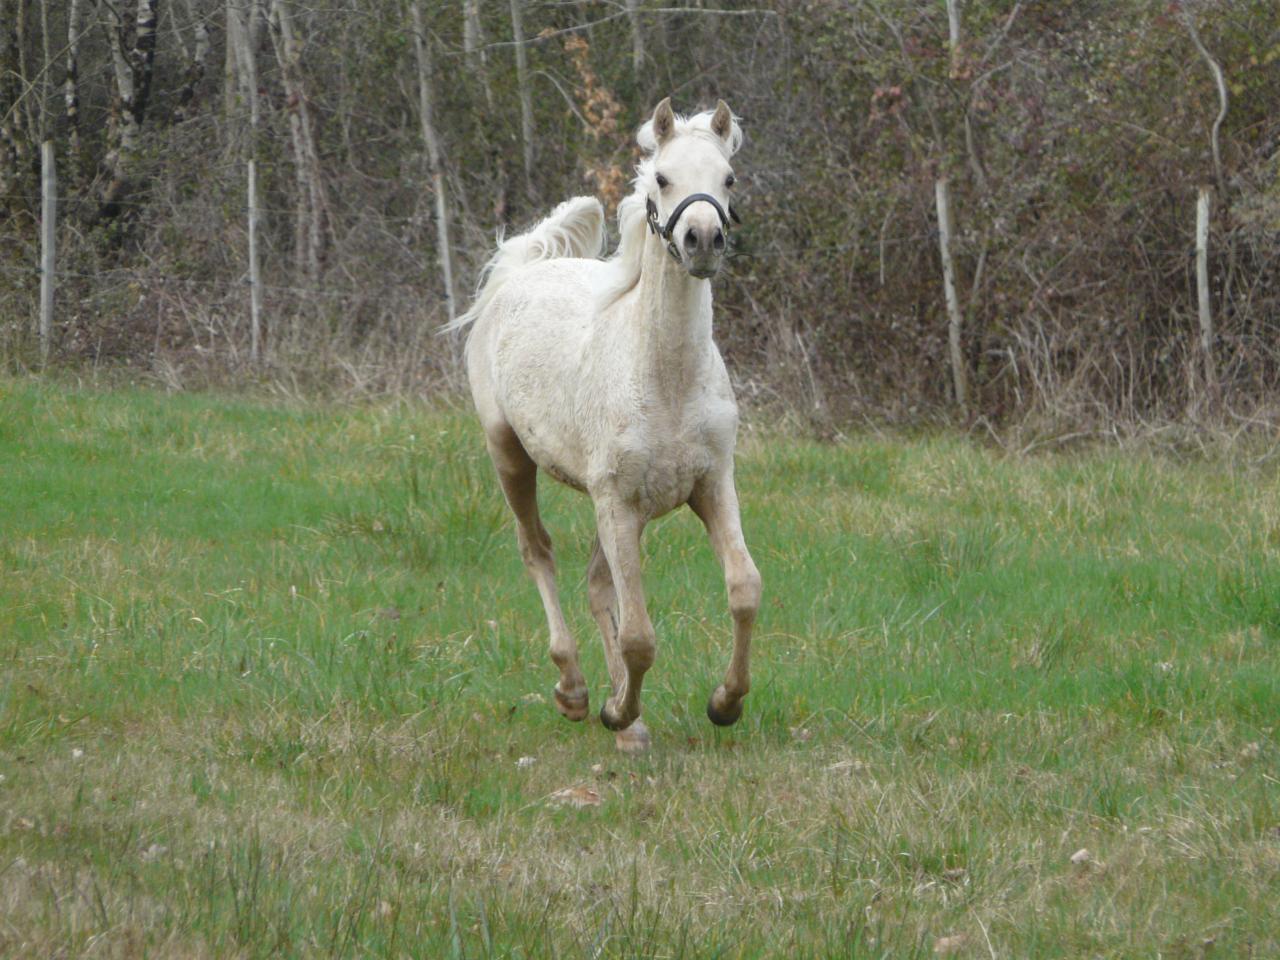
(1070, 144)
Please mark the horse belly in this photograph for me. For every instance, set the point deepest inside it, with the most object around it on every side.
(536, 353)
(551, 453)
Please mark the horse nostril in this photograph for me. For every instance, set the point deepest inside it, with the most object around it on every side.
(718, 241)
(691, 241)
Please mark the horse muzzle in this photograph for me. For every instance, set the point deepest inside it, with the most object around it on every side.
(704, 240)
(702, 248)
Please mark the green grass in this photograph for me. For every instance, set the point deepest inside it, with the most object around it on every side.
(268, 668)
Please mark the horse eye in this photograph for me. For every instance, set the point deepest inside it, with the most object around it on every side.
(730, 180)
(662, 181)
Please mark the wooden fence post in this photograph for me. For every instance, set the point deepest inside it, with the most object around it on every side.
(48, 236)
(255, 285)
(1202, 289)
(959, 376)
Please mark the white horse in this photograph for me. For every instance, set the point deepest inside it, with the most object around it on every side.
(604, 374)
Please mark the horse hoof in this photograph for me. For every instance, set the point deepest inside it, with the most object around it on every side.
(610, 721)
(571, 707)
(634, 739)
(723, 718)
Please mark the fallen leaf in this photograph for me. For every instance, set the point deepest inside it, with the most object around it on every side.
(951, 944)
(154, 852)
(846, 766)
(576, 797)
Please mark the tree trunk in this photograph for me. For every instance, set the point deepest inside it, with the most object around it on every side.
(71, 93)
(13, 138)
(243, 20)
(953, 33)
(46, 75)
(526, 94)
(132, 39)
(195, 66)
(431, 141)
(26, 100)
(309, 223)
(473, 46)
(637, 38)
(472, 34)
(1224, 100)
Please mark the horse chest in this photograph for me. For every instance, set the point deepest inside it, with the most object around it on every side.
(657, 469)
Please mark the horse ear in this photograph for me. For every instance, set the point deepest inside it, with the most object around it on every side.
(722, 120)
(664, 121)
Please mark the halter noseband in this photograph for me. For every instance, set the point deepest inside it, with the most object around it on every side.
(663, 232)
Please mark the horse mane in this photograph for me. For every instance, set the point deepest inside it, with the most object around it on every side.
(621, 272)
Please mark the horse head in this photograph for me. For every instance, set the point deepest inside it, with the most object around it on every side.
(688, 181)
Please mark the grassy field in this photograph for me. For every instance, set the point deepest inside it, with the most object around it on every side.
(269, 672)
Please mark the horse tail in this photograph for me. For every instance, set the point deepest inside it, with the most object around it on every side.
(574, 229)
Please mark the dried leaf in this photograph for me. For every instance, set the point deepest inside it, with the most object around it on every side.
(579, 796)
(154, 852)
(846, 766)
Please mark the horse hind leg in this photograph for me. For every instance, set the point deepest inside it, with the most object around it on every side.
(604, 608)
(518, 475)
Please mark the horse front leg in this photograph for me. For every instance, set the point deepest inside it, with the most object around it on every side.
(715, 501)
(604, 607)
(619, 528)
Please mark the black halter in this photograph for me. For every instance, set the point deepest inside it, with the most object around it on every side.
(663, 232)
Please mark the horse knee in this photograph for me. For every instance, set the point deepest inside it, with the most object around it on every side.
(639, 648)
(535, 548)
(745, 589)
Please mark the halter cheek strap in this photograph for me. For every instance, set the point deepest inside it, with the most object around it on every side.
(663, 232)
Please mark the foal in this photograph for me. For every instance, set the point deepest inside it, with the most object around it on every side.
(604, 374)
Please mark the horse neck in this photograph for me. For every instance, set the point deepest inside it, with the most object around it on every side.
(674, 329)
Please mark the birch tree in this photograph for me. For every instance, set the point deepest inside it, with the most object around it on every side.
(431, 142)
(131, 36)
(13, 139)
(637, 38)
(194, 59)
(526, 93)
(310, 203)
(71, 92)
